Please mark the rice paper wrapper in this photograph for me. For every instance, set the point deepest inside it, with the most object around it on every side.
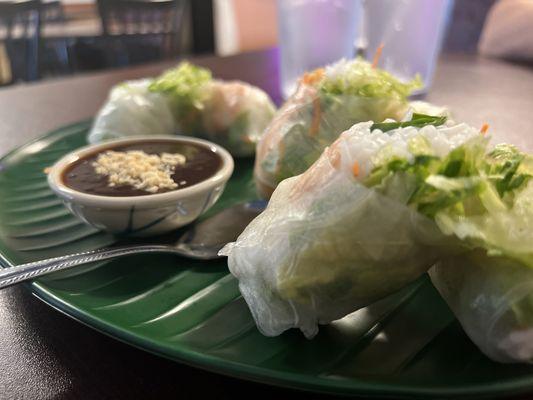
(492, 297)
(307, 123)
(132, 110)
(327, 246)
(235, 115)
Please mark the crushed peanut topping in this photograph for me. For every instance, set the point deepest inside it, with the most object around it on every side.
(148, 172)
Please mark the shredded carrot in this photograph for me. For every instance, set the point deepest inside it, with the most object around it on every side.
(484, 129)
(377, 56)
(355, 169)
(312, 77)
(315, 123)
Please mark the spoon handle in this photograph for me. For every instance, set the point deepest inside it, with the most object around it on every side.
(19, 273)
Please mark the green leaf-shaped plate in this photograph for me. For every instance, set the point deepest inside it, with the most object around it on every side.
(191, 311)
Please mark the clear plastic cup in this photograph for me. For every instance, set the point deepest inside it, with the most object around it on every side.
(313, 33)
(411, 32)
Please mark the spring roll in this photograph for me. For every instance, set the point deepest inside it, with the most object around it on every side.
(355, 227)
(186, 100)
(327, 102)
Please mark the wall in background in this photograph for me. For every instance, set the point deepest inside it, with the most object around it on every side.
(243, 25)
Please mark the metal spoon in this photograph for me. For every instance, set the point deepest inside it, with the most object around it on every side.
(202, 241)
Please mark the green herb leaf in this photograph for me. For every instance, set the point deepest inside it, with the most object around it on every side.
(418, 120)
(503, 165)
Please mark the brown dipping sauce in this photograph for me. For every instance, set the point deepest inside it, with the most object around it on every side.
(202, 163)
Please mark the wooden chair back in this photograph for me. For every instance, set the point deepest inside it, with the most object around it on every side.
(20, 32)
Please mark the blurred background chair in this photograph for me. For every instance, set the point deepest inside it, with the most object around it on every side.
(52, 11)
(141, 30)
(55, 59)
(20, 37)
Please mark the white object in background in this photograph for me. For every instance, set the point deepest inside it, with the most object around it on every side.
(508, 31)
(411, 32)
(226, 35)
(313, 33)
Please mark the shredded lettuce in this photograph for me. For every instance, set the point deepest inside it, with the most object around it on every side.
(358, 77)
(185, 87)
(182, 81)
(483, 198)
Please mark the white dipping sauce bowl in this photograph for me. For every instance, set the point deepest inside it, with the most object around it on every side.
(145, 215)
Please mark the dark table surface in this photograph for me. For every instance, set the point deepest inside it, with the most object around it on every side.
(45, 355)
